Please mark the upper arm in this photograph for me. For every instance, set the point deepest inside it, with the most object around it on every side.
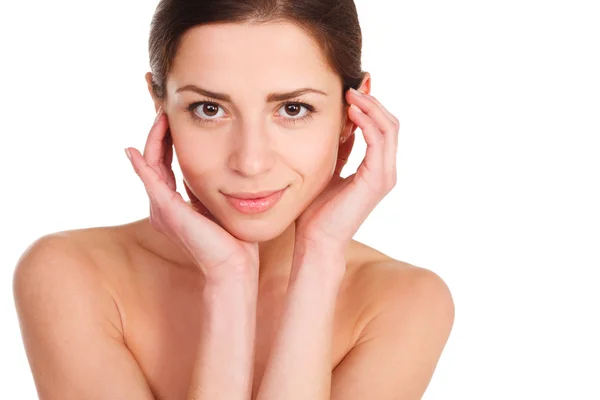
(398, 350)
(71, 327)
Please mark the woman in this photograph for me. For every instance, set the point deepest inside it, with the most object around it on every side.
(254, 289)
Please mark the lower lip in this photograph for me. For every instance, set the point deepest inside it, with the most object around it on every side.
(255, 206)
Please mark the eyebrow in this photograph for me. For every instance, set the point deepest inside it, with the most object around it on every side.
(270, 98)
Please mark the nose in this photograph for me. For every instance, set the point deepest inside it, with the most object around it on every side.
(252, 151)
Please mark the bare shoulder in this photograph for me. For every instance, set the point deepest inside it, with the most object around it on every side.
(72, 263)
(389, 286)
(59, 251)
(70, 323)
(404, 323)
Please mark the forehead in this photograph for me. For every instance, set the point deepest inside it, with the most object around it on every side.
(273, 56)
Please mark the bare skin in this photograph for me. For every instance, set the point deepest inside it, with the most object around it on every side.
(157, 300)
(141, 314)
(113, 312)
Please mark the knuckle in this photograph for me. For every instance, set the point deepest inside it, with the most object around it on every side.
(389, 180)
(391, 183)
(373, 126)
(173, 197)
(136, 169)
(390, 127)
(367, 106)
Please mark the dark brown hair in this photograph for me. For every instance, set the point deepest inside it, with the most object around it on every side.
(333, 24)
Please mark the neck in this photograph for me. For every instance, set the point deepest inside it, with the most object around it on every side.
(275, 255)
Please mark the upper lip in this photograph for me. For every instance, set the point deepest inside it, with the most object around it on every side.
(253, 195)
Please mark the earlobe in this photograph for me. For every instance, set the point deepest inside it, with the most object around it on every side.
(347, 131)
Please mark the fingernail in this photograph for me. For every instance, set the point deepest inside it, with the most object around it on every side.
(158, 114)
(128, 154)
(356, 92)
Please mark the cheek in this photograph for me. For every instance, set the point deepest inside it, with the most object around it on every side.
(197, 159)
(196, 151)
(314, 157)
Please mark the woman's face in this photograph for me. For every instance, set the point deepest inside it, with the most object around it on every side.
(250, 140)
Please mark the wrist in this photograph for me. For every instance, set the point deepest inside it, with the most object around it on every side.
(231, 275)
(326, 264)
(230, 294)
(321, 250)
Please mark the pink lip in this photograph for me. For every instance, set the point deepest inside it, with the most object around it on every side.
(254, 205)
(256, 195)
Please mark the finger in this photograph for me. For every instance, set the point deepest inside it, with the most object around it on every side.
(157, 189)
(393, 149)
(389, 114)
(372, 164)
(192, 196)
(197, 205)
(387, 124)
(371, 108)
(153, 150)
(158, 150)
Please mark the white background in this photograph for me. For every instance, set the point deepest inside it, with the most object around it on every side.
(498, 169)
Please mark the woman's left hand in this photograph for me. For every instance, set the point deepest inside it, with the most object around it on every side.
(332, 219)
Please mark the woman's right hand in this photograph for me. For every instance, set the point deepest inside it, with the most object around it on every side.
(191, 226)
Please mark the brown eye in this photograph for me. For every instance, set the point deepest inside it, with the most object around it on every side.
(292, 109)
(205, 111)
(210, 109)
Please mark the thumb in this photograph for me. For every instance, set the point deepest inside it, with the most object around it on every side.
(193, 198)
(196, 204)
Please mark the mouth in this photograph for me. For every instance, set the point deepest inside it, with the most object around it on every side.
(253, 203)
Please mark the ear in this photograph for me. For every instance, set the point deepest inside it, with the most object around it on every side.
(365, 86)
(157, 102)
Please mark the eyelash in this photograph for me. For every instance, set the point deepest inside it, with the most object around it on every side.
(206, 121)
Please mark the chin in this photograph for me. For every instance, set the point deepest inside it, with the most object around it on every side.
(256, 230)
